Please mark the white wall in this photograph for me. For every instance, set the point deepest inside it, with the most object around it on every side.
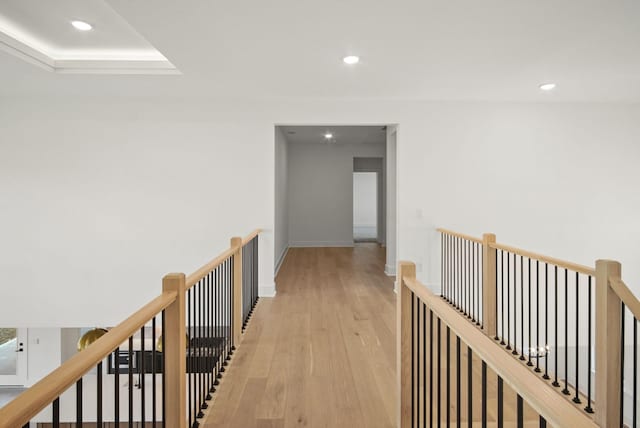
(321, 192)
(391, 205)
(43, 353)
(281, 229)
(365, 199)
(100, 198)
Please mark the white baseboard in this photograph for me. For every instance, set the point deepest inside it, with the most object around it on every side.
(267, 290)
(315, 244)
(280, 260)
(390, 270)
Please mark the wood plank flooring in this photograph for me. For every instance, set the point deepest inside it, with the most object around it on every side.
(319, 354)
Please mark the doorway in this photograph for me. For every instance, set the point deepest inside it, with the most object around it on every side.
(365, 206)
(13, 356)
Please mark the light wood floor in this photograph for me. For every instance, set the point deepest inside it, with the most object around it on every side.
(322, 352)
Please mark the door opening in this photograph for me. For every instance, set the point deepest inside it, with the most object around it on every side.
(365, 206)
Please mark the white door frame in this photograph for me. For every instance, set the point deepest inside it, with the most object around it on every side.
(16, 349)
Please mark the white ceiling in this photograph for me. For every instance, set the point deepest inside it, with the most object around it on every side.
(341, 134)
(410, 49)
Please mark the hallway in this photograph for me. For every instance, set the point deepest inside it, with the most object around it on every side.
(322, 352)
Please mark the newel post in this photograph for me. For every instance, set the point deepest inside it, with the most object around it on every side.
(236, 243)
(403, 348)
(608, 345)
(489, 285)
(174, 348)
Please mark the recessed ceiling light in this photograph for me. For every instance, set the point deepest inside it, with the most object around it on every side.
(328, 136)
(351, 59)
(548, 86)
(81, 25)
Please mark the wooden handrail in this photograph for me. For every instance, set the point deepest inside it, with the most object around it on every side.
(460, 235)
(542, 398)
(31, 402)
(250, 236)
(551, 260)
(205, 269)
(627, 297)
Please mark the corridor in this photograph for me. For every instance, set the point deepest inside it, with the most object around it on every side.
(322, 352)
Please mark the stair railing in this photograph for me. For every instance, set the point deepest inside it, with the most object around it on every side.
(193, 328)
(453, 375)
(564, 321)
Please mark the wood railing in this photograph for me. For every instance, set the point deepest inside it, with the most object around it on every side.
(563, 320)
(453, 375)
(201, 321)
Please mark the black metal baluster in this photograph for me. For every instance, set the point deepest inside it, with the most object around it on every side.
(212, 332)
(576, 399)
(189, 361)
(501, 271)
(467, 280)
(439, 395)
(142, 378)
(566, 391)
(515, 344)
(413, 358)
(424, 364)
(509, 298)
(201, 348)
(589, 409)
(555, 322)
(430, 368)
(546, 322)
(529, 362)
(458, 383)
(502, 268)
(537, 369)
(442, 271)
(164, 364)
(543, 422)
(195, 360)
(484, 394)
(218, 278)
(55, 417)
(480, 291)
(635, 372)
(448, 398)
(130, 375)
(79, 403)
(500, 403)
(418, 361)
(454, 260)
(116, 387)
(207, 316)
(99, 394)
(470, 387)
(450, 261)
(154, 369)
(622, 312)
(520, 411)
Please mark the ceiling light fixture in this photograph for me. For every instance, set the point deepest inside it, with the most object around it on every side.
(328, 136)
(351, 59)
(81, 25)
(548, 86)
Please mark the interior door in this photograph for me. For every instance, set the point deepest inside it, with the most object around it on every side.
(13, 356)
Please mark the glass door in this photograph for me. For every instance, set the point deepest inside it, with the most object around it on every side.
(13, 356)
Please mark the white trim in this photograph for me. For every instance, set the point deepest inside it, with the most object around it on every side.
(283, 255)
(267, 290)
(316, 244)
(390, 270)
(41, 59)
